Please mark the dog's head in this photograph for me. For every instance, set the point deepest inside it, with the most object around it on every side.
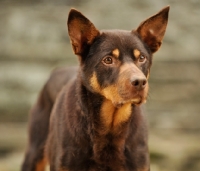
(116, 63)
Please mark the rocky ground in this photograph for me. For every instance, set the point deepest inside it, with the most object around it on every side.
(33, 41)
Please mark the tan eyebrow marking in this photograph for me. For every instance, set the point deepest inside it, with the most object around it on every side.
(115, 53)
(136, 53)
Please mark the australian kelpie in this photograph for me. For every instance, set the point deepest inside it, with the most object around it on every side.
(89, 118)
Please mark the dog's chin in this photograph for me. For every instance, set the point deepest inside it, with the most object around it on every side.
(135, 101)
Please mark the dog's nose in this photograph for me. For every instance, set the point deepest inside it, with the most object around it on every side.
(139, 83)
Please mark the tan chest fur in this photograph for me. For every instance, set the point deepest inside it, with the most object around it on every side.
(112, 117)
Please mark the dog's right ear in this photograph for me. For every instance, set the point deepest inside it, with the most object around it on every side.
(81, 31)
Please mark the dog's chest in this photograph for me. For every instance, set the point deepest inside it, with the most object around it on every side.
(112, 118)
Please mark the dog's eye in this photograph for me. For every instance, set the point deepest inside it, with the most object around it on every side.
(108, 60)
(142, 58)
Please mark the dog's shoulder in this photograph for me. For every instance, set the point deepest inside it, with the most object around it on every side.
(59, 77)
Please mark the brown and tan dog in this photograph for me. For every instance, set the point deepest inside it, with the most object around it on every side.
(89, 118)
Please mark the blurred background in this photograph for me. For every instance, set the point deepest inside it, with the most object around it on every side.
(34, 41)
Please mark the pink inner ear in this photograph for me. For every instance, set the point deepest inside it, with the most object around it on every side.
(151, 31)
(152, 41)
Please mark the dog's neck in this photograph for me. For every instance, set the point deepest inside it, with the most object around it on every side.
(109, 117)
(109, 125)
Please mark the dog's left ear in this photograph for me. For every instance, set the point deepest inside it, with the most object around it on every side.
(81, 31)
(153, 29)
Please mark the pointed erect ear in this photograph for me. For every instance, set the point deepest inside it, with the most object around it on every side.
(153, 29)
(81, 31)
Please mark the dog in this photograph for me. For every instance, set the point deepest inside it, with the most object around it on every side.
(89, 118)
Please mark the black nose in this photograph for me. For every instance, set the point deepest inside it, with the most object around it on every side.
(139, 83)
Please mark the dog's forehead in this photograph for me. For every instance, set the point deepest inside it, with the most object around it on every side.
(122, 40)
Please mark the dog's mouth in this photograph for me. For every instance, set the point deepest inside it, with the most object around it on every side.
(138, 100)
(120, 95)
